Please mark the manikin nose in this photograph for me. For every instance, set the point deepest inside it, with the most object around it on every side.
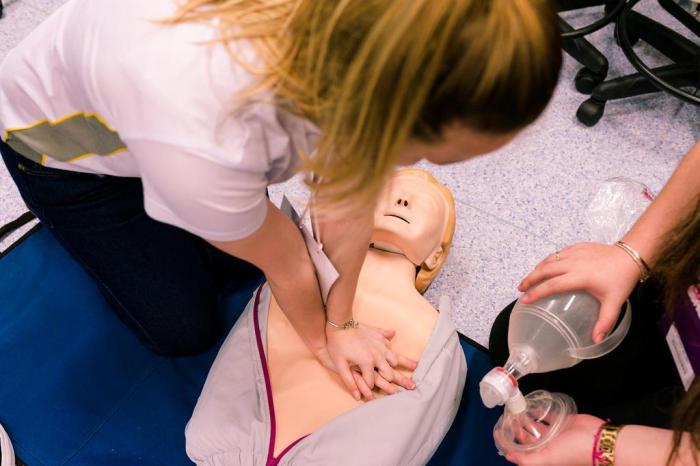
(402, 202)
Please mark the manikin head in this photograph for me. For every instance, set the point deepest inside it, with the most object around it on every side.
(416, 217)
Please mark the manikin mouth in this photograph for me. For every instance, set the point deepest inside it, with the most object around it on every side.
(397, 216)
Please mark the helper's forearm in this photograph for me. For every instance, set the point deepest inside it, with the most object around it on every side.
(672, 205)
(346, 243)
(649, 446)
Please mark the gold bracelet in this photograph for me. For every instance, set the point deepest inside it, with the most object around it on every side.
(352, 323)
(643, 267)
(604, 450)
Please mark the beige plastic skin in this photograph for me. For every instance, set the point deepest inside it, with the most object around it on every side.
(306, 395)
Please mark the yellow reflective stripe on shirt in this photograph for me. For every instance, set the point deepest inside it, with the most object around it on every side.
(67, 139)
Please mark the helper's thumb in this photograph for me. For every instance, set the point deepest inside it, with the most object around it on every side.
(606, 319)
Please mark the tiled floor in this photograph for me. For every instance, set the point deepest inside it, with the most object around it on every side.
(519, 204)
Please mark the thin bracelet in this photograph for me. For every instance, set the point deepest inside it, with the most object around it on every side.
(604, 444)
(352, 323)
(643, 267)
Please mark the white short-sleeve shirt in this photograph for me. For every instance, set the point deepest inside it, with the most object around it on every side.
(103, 87)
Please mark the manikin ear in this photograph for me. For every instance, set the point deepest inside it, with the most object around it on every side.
(432, 261)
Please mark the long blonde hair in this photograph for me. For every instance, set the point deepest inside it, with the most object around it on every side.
(372, 73)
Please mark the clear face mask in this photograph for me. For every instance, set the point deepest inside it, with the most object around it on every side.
(529, 422)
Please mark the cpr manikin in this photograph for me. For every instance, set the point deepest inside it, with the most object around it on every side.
(269, 400)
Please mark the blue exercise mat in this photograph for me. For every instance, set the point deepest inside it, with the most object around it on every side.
(79, 389)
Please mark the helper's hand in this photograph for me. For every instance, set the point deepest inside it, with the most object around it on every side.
(604, 271)
(364, 349)
(572, 447)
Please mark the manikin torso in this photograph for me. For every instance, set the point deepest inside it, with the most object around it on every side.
(307, 395)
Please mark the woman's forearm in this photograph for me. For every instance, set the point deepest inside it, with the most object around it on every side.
(298, 295)
(673, 204)
(641, 445)
(279, 250)
(346, 243)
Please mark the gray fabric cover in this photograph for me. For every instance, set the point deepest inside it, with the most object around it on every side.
(231, 424)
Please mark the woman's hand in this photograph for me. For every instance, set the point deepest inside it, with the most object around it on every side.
(363, 349)
(604, 271)
(572, 447)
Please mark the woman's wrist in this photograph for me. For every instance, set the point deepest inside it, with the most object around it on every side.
(626, 267)
(342, 325)
(635, 257)
(604, 443)
(336, 313)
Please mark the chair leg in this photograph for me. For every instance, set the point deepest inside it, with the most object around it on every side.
(679, 75)
(568, 5)
(670, 43)
(595, 64)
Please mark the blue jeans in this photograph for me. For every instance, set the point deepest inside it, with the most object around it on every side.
(164, 283)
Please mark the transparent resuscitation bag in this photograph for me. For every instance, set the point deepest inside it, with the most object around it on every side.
(550, 334)
(556, 332)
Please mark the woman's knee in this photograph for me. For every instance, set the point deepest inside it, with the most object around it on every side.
(190, 345)
(178, 326)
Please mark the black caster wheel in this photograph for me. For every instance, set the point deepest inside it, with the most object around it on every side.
(586, 80)
(590, 112)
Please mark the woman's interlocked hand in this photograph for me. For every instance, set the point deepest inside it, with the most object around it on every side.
(364, 360)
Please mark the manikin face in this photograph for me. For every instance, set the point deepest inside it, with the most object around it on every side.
(411, 218)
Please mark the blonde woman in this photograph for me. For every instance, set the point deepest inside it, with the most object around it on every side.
(145, 134)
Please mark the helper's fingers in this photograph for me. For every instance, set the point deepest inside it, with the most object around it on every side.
(543, 271)
(364, 389)
(346, 375)
(609, 312)
(549, 287)
(498, 437)
(514, 458)
(386, 386)
(387, 333)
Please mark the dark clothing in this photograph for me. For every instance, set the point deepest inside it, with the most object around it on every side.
(635, 383)
(163, 282)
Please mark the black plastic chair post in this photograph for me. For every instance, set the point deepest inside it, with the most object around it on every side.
(595, 65)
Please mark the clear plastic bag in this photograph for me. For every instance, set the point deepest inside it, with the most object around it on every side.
(616, 207)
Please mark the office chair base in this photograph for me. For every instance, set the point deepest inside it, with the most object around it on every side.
(590, 112)
(586, 80)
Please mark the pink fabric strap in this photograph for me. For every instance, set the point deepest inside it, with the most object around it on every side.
(597, 457)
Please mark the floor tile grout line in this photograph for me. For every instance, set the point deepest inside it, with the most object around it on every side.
(506, 222)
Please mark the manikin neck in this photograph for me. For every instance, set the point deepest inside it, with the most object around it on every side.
(390, 272)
